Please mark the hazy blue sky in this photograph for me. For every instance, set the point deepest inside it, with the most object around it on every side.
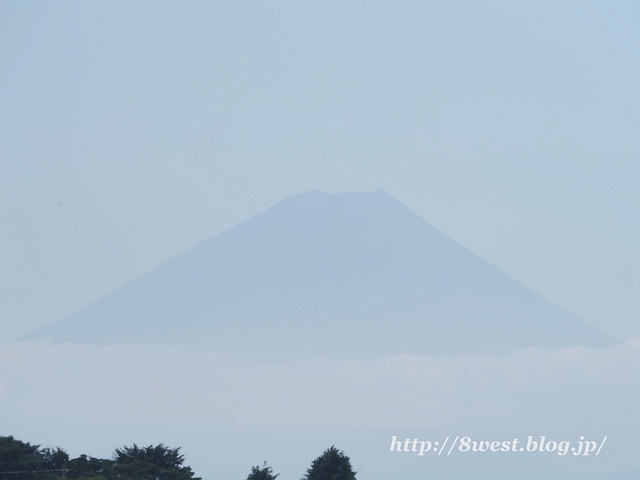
(131, 131)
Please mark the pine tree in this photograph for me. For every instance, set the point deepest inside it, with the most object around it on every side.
(151, 463)
(333, 464)
(264, 473)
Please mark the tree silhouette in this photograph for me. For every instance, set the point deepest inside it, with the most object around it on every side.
(264, 473)
(333, 464)
(19, 459)
(54, 458)
(151, 463)
(85, 466)
(23, 461)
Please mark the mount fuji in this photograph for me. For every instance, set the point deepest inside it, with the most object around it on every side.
(328, 274)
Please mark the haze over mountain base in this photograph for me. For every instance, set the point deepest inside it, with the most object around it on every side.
(228, 413)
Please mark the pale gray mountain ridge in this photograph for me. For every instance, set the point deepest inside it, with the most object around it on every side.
(328, 274)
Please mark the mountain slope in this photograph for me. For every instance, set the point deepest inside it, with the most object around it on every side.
(344, 274)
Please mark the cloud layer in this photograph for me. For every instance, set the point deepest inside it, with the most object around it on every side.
(231, 412)
(403, 391)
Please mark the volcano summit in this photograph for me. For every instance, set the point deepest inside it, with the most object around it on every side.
(320, 274)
